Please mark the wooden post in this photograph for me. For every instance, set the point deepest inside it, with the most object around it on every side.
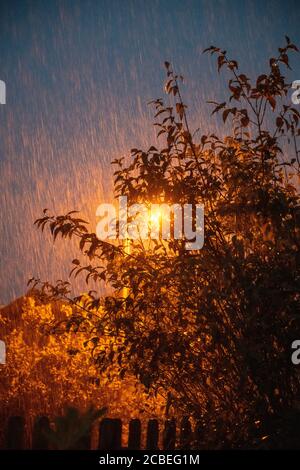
(134, 436)
(185, 433)
(199, 435)
(110, 434)
(14, 433)
(169, 436)
(152, 434)
(40, 428)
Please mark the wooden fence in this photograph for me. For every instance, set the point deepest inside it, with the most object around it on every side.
(166, 436)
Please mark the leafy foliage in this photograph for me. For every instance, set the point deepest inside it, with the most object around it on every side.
(211, 329)
(44, 371)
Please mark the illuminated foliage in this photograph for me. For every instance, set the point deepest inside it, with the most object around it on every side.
(44, 372)
(210, 329)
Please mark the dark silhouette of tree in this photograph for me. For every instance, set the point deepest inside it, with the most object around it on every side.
(212, 329)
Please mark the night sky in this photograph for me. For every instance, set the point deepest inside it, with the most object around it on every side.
(79, 75)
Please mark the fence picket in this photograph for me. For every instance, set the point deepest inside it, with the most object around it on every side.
(185, 433)
(14, 434)
(169, 436)
(152, 434)
(40, 427)
(134, 436)
(110, 434)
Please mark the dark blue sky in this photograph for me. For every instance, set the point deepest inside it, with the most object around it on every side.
(79, 75)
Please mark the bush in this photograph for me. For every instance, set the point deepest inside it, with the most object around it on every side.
(211, 329)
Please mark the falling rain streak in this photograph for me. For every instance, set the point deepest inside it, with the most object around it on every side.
(79, 76)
